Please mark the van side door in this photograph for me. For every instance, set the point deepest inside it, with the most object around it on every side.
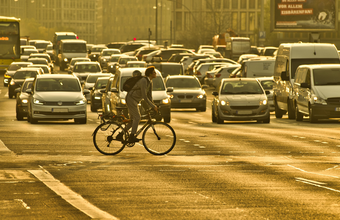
(303, 92)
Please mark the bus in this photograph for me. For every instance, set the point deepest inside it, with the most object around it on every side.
(9, 41)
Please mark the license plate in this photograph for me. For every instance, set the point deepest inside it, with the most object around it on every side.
(244, 112)
(59, 109)
(185, 100)
(337, 109)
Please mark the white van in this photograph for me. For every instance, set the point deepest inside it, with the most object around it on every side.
(289, 57)
(317, 92)
(69, 49)
(257, 67)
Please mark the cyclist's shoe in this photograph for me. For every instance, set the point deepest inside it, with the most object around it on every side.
(120, 136)
(133, 139)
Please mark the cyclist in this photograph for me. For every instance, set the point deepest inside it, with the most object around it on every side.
(141, 90)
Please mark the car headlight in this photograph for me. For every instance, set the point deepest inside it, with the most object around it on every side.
(171, 96)
(97, 97)
(223, 103)
(38, 102)
(12, 83)
(81, 102)
(104, 60)
(65, 59)
(123, 101)
(200, 96)
(24, 101)
(264, 102)
(318, 100)
(166, 101)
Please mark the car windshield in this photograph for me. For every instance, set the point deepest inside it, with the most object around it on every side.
(97, 49)
(101, 83)
(92, 68)
(170, 70)
(267, 84)
(157, 83)
(58, 84)
(125, 60)
(41, 45)
(110, 52)
(26, 85)
(77, 60)
(323, 77)
(74, 48)
(40, 61)
(241, 87)
(16, 66)
(114, 58)
(24, 74)
(42, 56)
(29, 51)
(183, 83)
(298, 62)
(92, 78)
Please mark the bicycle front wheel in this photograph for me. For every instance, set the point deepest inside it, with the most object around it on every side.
(109, 138)
(159, 138)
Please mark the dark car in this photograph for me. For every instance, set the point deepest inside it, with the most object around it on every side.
(177, 57)
(22, 99)
(96, 95)
(131, 47)
(19, 78)
(165, 54)
(167, 69)
(95, 51)
(187, 92)
(13, 67)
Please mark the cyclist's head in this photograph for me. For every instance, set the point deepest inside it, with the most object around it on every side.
(149, 70)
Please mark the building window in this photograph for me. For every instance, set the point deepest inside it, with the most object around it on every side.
(251, 4)
(234, 21)
(251, 21)
(178, 4)
(243, 4)
(234, 4)
(226, 4)
(178, 21)
(208, 4)
(218, 4)
(243, 21)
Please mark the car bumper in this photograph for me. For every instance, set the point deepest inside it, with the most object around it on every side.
(326, 111)
(58, 112)
(188, 103)
(260, 113)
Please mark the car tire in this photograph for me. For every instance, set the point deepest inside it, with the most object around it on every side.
(33, 121)
(218, 119)
(291, 109)
(213, 117)
(19, 115)
(93, 109)
(80, 120)
(203, 109)
(278, 112)
(298, 114)
(267, 120)
(167, 119)
(312, 118)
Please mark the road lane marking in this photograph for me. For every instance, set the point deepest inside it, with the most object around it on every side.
(71, 197)
(311, 172)
(315, 183)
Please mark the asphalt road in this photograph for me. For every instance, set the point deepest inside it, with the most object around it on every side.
(236, 170)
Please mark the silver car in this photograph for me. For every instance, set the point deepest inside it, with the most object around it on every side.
(239, 100)
(56, 97)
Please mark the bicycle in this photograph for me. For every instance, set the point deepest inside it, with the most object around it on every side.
(158, 138)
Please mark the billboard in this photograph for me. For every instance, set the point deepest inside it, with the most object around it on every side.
(304, 15)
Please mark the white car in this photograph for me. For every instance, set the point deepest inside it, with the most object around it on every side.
(267, 84)
(83, 69)
(55, 97)
(223, 72)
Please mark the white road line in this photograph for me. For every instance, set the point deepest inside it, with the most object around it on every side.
(71, 197)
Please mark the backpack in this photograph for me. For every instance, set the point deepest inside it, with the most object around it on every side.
(130, 83)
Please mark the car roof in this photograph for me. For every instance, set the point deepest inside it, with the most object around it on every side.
(320, 66)
(57, 76)
(239, 79)
(86, 62)
(21, 62)
(129, 70)
(28, 69)
(181, 76)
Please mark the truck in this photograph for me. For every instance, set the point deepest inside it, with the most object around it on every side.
(234, 45)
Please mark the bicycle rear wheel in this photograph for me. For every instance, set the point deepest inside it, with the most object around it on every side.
(105, 138)
(159, 138)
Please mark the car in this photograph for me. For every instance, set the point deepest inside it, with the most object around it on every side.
(144, 50)
(200, 71)
(132, 46)
(194, 65)
(12, 68)
(122, 61)
(84, 68)
(113, 98)
(69, 49)
(19, 77)
(177, 57)
(267, 84)
(56, 97)
(74, 60)
(95, 93)
(112, 64)
(167, 69)
(187, 60)
(37, 60)
(187, 92)
(316, 92)
(49, 51)
(43, 55)
(203, 50)
(95, 51)
(269, 51)
(41, 45)
(115, 45)
(136, 64)
(244, 57)
(165, 54)
(46, 69)
(90, 81)
(206, 47)
(22, 99)
(209, 75)
(214, 53)
(240, 99)
(105, 56)
(26, 53)
(223, 72)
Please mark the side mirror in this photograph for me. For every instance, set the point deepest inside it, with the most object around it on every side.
(114, 89)
(305, 85)
(170, 89)
(214, 93)
(29, 91)
(86, 91)
(284, 76)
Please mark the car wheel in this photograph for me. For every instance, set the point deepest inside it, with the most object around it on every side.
(312, 118)
(267, 120)
(298, 114)
(80, 120)
(167, 119)
(93, 109)
(213, 117)
(203, 109)
(218, 119)
(291, 109)
(19, 115)
(278, 111)
(33, 121)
